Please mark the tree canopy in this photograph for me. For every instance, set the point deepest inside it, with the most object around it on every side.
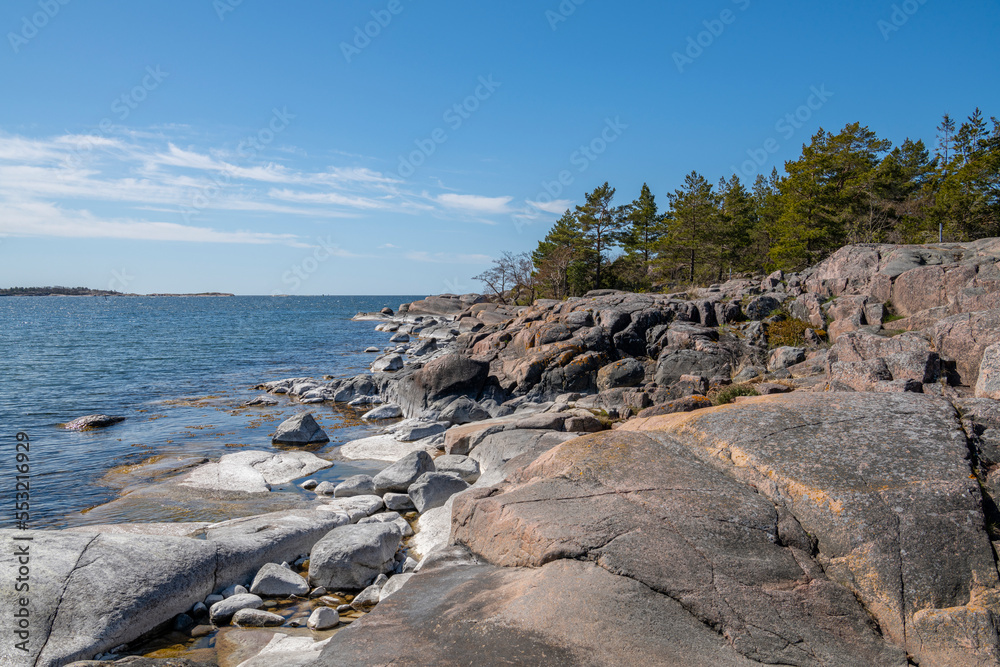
(846, 187)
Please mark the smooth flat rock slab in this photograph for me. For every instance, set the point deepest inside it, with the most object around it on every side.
(379, 448)
(566, 613)
(884, 484)
(92, 592)
(253, 472)
(160, 529)
(652, 511)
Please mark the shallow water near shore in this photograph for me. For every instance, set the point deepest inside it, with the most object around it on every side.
(178, 369)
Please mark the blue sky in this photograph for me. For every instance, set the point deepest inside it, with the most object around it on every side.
(258, 148)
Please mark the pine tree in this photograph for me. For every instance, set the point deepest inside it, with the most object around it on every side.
(903, 177)
(946, 135)
(965, 192)
(736, 224)
(693, 226)
(829, 196)
(645, 229)
(601, 227)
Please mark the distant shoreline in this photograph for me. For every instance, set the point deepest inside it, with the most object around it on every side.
(82, 291)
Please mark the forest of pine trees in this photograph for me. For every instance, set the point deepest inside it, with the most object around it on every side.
(849, 187)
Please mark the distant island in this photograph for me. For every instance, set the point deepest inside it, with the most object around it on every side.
(86, 291)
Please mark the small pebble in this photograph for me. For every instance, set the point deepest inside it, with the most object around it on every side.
(199, 609)
(212, 599)
(309, 484)
(317, 592)
(344, 608)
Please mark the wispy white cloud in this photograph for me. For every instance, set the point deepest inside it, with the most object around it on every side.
(556, 207)
(107, 186)
(476, 203)
(446, 258)
(328, 198)
(42, 219)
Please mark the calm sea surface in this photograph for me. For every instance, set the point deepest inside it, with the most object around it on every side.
(177, 367)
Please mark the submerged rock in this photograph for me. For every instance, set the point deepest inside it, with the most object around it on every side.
(91, 422)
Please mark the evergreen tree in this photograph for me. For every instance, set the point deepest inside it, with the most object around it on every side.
(829, 196)
(601, 228)
(736, 224)
(694, 219)
(767, 204)
(946, 135)
(646, 226)
(904, 176)
(966, 190)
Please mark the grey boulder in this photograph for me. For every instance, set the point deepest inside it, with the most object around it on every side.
(353, 556)
(458, 465)
(277, 581)
(433, 489)
(383, 412)
(392, 362)
(301, 429)
(418, 430)
(367, 599)
(257, 618)
(464, 410)
(399, 502)
(222, 612)
(398, 477)
(358, 485)
(624, 373)
(323, 618)
(783, 357)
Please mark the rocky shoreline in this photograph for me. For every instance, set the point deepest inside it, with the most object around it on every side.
(798, 469)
